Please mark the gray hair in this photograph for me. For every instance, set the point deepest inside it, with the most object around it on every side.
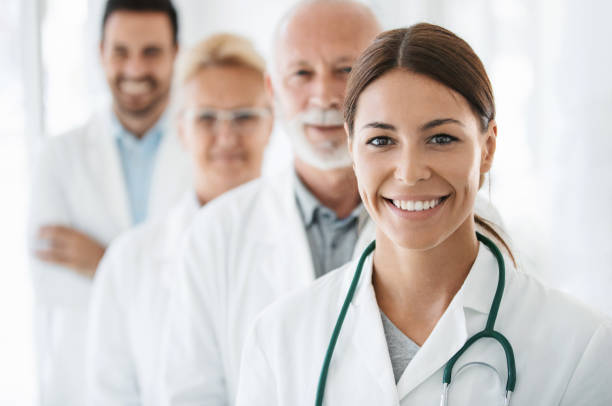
(300, 5)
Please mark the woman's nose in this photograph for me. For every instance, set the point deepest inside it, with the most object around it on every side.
(411, 166)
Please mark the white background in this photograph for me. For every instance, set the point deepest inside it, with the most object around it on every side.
(549, 61)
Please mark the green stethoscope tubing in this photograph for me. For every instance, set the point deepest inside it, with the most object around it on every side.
(488, 332)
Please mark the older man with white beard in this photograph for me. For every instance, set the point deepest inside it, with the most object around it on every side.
(276, 234)
(324, 153)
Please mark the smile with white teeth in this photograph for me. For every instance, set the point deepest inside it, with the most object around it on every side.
(135, 88)
(416, 205)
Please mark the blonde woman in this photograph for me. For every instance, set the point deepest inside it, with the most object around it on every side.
(224, 122)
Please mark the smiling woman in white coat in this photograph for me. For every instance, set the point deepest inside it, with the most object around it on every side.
(420, 116)
(225, 121)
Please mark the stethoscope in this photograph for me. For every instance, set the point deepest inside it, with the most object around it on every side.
(488, 332)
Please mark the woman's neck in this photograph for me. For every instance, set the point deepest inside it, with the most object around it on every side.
(414, 287)
(209, 185)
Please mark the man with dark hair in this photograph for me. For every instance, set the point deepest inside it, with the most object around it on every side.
(162, 6)
(99, 180)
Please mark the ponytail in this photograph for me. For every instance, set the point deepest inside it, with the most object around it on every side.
(488, 227)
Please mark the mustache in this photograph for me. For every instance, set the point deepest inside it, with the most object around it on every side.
(323, 117)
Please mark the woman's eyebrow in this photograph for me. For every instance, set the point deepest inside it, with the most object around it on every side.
(379, 125)
(427, 126)
(440, 121)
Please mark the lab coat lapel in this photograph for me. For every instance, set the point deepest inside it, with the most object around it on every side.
(170, 243)
(368, 337)
(284, 243)
(103, 156)
(452, 332)
(297, 232)
(445, 340)
(367, 233)
(291, 233)
(176, 225)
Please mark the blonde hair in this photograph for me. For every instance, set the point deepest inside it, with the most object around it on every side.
(219, 50)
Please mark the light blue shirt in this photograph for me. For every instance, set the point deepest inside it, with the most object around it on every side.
(138, 163)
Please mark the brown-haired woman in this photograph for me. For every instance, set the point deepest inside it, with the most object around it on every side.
(420, 116)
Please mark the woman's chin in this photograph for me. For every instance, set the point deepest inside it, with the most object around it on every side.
(412, 240)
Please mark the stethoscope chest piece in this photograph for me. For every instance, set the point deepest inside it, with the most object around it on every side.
(446, 387)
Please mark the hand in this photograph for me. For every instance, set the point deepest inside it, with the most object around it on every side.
(70, 248)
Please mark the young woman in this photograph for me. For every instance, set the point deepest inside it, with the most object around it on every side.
(432, 308)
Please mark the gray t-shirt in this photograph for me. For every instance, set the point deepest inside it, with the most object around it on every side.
(332, 240)
(401, 348)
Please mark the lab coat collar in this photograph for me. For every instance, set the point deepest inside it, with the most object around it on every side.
(308, 205)
(283, 186)
(476, 292)
(370, 342)
(105, 164)
(279, 216)
(448, 336)
(365, 226)
(280, 186)
(306, 202)
(451, 331)
(479, 286)
(154, 134)
(175, 227)
(276, 213)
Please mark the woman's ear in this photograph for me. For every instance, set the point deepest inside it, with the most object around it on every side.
(488, 147)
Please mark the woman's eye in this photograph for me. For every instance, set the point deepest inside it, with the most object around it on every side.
(442, 139)
(207, 118)
(244, 117)
(302, 72)
(346, 69)
(380, 141)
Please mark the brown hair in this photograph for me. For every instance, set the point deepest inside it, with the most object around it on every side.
(435, 52)
(428, 50)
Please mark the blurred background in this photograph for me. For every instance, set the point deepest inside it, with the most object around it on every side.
(549, 61)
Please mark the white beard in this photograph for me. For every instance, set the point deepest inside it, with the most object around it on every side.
(325, 155)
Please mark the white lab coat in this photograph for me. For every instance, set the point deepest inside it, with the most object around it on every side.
(79, 183)
(128, 310)
(563, 351)
(245, 250)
